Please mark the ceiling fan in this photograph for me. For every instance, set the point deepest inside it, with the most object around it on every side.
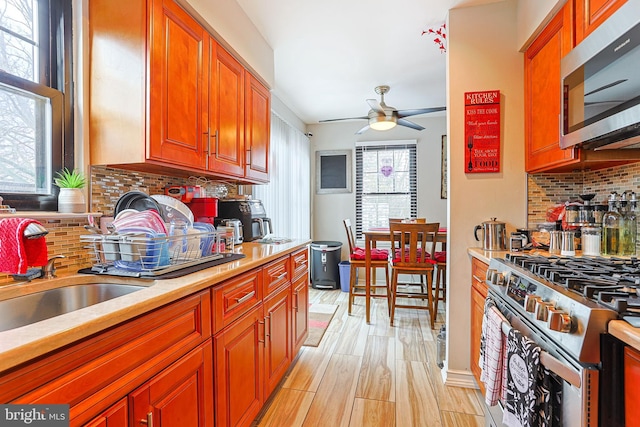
(383, 117)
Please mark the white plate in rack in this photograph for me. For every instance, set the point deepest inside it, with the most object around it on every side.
(174, 209)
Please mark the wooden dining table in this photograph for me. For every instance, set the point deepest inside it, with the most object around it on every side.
(381, 234)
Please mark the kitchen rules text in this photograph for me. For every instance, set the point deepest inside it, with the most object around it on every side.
(482, 132)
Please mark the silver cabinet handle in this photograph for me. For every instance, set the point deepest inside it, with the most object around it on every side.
(246, 297)
(149, 421)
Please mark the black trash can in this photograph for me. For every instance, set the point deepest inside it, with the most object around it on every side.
(325, 257)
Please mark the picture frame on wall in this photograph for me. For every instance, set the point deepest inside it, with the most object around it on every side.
(333, 171)
(443, 168)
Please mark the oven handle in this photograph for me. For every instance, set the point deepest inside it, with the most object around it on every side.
(559, 368)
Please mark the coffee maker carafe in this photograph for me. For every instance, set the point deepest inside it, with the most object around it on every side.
(252, 215)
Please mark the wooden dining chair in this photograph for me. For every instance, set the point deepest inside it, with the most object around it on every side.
(411, 246)
(440, 282)
(415, 221)
(379, 259)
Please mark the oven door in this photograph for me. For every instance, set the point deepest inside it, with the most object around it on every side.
(580, 383)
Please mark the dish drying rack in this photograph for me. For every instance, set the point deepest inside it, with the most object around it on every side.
(144, 255)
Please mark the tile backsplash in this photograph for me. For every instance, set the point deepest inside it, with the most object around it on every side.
(107, 185)
(547, 190)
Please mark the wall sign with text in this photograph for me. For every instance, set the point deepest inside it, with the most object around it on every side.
(482, 131)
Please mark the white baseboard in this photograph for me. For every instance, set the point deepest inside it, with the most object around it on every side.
(457, 378)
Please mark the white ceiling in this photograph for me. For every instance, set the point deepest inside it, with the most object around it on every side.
(329, 55)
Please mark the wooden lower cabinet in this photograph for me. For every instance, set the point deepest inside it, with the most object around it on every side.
(208, 359)
(631, 386)
(277, 342)
(479, 291)
(300, 320)
(116, 416)
(180, 396)
(239, 371)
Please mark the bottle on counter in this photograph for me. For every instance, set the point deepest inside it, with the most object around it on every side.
(628, 225)
(611, 227)
(591, 241)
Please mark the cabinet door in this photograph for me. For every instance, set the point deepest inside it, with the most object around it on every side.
(631, 386)
(238, 369)
(591, 13)
(277, 347)
(478, 296)
(225, 145)
(116, 416)
(257, 129)
(300, 321)
(178, 92)
(542, 95)
(181, 395)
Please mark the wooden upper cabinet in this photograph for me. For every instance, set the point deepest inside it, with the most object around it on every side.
(167, 98)
(257, 129)
(226, 114)
(591, 13)
(543, 95)
(178, 95)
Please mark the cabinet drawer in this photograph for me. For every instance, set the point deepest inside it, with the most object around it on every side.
(92, 374)
(300, 263)
(275, 275)
(478, 275)
(235, 297)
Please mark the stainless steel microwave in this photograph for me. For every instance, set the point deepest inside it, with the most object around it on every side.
(601, 85)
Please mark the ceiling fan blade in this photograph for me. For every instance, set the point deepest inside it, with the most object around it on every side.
(375, 105)
(364, 129)
(346, 118)
(407, 113)
(407, 123)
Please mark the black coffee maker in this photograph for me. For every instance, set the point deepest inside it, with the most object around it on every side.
(251, 213)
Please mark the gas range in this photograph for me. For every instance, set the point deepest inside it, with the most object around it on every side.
(557, 297)
(612, 282)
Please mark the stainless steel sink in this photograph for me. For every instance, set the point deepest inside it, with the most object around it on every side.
(27, 309)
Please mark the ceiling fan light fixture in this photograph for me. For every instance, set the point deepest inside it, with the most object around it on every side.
(383, 122)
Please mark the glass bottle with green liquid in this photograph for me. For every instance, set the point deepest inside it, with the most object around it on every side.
(611, 227)
(628, 226)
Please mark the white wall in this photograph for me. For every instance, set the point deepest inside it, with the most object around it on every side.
(482, 55)
(329, 210)
(227, 21)
(533, 16)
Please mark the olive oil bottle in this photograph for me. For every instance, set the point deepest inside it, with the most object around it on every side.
(611, 227)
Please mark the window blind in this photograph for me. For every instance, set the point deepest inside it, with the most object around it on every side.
(386, 184)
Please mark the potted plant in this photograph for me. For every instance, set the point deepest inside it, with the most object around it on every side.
(71, 197)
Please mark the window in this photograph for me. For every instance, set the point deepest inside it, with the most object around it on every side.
(36, 137)
(386, 183)
(287, 196)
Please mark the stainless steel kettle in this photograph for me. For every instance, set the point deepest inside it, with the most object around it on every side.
(494, 235)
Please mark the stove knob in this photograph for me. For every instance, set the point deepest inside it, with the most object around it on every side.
(542, 310)
(491, 272)
(559, 321)
(530, 302)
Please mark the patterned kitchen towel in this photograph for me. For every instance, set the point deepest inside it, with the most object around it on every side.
(523, 361)
(488, 303)
(18, 252)
(549, 397)
(491, 374)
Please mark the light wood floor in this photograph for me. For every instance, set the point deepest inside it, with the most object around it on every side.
(371, 375)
